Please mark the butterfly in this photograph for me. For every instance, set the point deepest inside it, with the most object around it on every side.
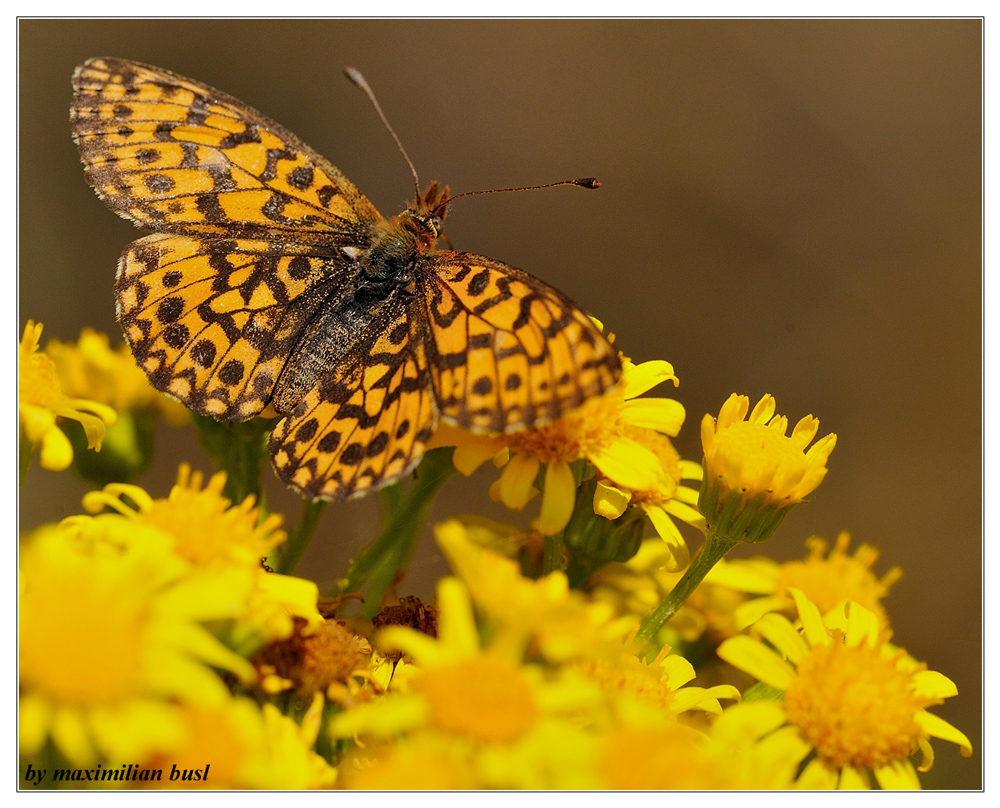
(270, 279)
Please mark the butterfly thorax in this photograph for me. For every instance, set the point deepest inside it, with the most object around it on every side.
(396, 245)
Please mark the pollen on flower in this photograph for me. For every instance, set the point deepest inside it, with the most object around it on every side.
(312, 661)
(579, 433)
(827, 581)
(481, 697)
(854, 706)
(207, 527)
(631, 675)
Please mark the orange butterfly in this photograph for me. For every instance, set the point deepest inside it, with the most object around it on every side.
(271, 280)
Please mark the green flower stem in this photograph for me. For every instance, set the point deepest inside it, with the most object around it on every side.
(291, 551)
(553, 557)
(713, 550)
(378, 563)
(239, 449)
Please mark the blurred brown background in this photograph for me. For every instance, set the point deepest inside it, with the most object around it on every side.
(790, 207)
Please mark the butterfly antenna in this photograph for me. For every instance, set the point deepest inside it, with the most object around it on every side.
(584, 182)
(359, 81)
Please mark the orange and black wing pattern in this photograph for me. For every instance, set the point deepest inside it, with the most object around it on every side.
(367, 421)
(507, 351)
(214, 321)
(178, 156)
(270, 280)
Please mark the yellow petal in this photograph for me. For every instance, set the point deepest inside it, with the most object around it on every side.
(776, 629)
(764, 411)
(937, 727)
(812, 621)
(646, 376)
(468, 457)
(662, 414)
(558, 498)
(679, 554)
(517, 481)
(758, 660)
(735, 409)
(933, 685)
(610, 502)
(57, 453)
(897, 776)
(629, 463)
(852, 779)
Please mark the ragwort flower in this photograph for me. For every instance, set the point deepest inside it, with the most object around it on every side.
(222, 539)
(499, 716)
(248, 746)
(90, 368)
(826, 579)
(859, 703)
(111, 636)
(545, 614)
(754, 472)
(41, 400)
(609, 431)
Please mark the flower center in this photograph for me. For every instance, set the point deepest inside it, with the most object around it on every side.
(207, 529)
(827, 582)
(632, 676)
(854, 706)
(573, 435)
(483, 698)
(658, 759)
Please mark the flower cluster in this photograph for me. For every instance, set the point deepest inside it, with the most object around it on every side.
(165, 634)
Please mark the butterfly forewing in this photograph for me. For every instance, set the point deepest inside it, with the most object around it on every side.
(176, 155)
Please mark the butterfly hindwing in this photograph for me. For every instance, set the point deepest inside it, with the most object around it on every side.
(365, 423)
(507, 351)
(176, 155)
(213, 322)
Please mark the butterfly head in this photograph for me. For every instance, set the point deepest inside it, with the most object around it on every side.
(431, 206)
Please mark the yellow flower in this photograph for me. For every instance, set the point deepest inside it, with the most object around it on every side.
(648, 693)
(753, 471)
(313, 659)
(89, 368)
(826, 580)
(545, 614)
(739, 751)
(421, 762)
(41, 400)
(663, 503)
(242, 745)
(610, 431)
(225, 540)
(640, 584)
(208, 529)
(464, 689)
(504, 715)
(110, 635)
(858, 702)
